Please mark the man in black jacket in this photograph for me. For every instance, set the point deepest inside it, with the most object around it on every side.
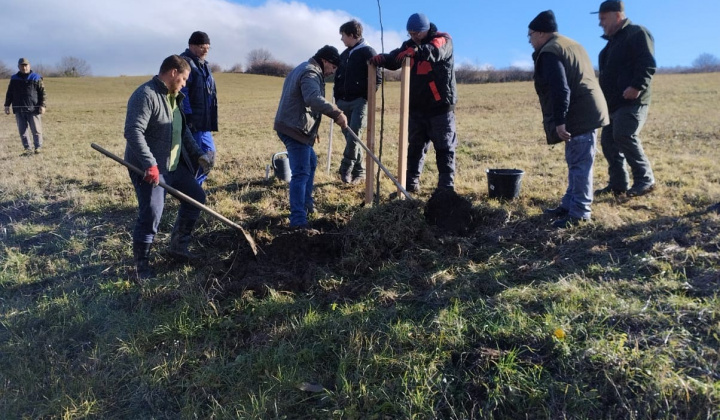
(26, 94)
(627, 65)
(350, 92)
(433, 96)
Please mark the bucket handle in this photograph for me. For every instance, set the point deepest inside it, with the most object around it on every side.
(272, 160)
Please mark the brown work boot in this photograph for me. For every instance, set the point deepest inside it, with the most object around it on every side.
(180, 239)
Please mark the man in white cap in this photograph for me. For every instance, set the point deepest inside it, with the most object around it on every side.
(433, 96)
(26, 94)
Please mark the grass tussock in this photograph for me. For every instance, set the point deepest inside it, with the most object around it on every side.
(457, 307)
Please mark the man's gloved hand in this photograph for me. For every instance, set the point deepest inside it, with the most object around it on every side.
(341, 120)
(378, 60)
(152, 175)
(207, 161)
(42, 110)
(407, 52)
(7, 109)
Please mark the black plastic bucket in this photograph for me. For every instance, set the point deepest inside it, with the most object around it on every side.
(281, 165)
(504, 183)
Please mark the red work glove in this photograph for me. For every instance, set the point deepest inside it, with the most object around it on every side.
(378, 60)
(152, 175)
(408, 52)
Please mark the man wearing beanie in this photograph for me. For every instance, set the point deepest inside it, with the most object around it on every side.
(433, 96)
(302, 104)
(350, 92)
(200, 103)
(573, 109)
(627, 65)
(26, 94)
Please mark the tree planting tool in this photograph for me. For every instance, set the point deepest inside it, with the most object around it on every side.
(183, 197)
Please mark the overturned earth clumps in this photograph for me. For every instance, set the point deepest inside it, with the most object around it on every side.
(450, 212)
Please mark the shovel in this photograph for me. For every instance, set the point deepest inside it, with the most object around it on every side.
(182, 197)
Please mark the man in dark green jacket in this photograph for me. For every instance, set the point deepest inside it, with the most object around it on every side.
(627, 65)
(573, 109)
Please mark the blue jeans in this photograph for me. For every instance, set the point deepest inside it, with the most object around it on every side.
(151, 201)
(205, 141)
(353, 161)
(440, 129)
(33, 122)
(620, 142)
(303, 162)
(580, 156)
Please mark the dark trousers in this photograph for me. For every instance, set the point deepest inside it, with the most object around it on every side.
(151, 201)
(620, 143)
(440, 130)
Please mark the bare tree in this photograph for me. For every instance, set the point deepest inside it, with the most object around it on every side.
(73, 67)
(45, 70)
(258, 56)
(236, 68)
(706, 62)
(214, 67)
(5, 71)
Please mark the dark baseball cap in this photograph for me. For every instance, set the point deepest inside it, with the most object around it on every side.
(611, 6)
(23, 61)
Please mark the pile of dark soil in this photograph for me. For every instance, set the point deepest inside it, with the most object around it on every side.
(450, 212)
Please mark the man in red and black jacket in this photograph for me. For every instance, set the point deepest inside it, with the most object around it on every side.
(433, 96)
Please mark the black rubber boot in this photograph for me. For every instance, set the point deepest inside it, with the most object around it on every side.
(141, 257)
(180, 239)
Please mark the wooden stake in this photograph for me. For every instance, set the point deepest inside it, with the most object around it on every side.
(404, 118)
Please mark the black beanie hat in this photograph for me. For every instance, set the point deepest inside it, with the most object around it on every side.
(330, 54)
(544, 22)
(199, 38)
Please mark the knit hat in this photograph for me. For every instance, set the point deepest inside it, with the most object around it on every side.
(544, 22)
(418, 22)
(611, 6)
(328, 53)
(199, 38)
(23, 61)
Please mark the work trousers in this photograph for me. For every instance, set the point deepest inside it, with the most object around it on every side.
(620, 142)
(30, 121)
(151, 201)
(353, 162)
(440, 130)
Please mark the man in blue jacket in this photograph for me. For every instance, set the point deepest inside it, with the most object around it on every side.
(433, 96)
(200, 104)
(26, 94)
(351, 96)
(160, 143)
(302, 105)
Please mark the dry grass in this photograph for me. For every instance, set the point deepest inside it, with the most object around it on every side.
(378, 315)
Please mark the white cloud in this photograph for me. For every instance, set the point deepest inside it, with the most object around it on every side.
(132, 37)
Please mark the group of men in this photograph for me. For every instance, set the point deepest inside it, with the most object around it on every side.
(170, 119)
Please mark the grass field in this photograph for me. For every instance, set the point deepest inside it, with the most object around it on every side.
(378, 314)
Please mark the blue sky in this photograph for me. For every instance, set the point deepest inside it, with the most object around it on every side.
(131, 37)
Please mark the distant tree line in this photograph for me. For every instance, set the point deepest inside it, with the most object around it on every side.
(261, 61)
(67, 67)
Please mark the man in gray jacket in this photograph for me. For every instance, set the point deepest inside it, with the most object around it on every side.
(160, 143)
(302, 104)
